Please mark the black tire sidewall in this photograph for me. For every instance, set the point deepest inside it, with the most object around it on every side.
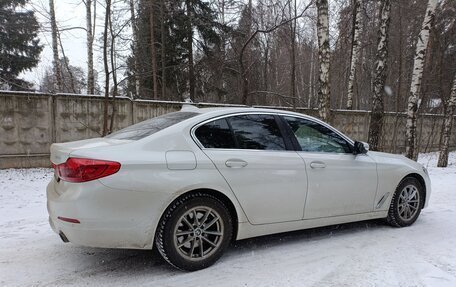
(173, 255)
(394, 213)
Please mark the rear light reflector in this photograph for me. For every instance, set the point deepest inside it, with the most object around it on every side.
(70, 220)
(84, 169)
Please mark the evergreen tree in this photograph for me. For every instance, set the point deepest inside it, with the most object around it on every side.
(182, 20)
(19, 45)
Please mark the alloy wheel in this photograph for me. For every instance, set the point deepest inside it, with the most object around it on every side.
(409, 202)
(198, 233)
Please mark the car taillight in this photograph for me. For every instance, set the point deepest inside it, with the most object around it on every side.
(83, 169)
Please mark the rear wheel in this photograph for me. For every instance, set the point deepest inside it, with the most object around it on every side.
(407, 202)
(194, 232)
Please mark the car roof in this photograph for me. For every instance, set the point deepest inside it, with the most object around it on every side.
(218, 111)
(213, 112)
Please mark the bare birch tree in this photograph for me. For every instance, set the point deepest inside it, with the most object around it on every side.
(355, 47)
(376, 122)
(324, 95)
(55, 48)
(447, 126)
(417, 74)
(90, 31)
(293, 24)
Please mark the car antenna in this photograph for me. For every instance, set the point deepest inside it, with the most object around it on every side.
(188, 106)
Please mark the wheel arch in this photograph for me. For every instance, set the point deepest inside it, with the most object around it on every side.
(421, 181)
(220, 196)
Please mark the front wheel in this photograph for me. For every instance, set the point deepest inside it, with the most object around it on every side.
(407, 202)
(194, 232)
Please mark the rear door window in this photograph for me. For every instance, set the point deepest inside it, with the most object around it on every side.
(149, 127)
(216, 134)
(259, 132)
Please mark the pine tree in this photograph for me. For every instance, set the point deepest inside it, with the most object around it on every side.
(187, 27)
(19, 44)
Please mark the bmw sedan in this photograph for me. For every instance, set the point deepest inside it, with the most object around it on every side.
(190, 182)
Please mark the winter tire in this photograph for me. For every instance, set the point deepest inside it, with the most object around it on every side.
(406, 204)
(194, 232)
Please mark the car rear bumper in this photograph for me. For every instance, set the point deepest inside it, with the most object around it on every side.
(96, 237)
(108, 218)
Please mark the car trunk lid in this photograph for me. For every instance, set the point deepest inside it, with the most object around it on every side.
(60, 152)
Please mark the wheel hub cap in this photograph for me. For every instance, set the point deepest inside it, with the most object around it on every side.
(409, 202)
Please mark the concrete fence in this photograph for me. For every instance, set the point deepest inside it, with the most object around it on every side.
(31, 122)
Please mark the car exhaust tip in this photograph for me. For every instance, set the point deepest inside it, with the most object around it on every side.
(63, 237)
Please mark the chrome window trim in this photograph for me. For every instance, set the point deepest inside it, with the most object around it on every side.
(282, 114)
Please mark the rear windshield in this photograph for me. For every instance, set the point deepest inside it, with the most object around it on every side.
(148, 127)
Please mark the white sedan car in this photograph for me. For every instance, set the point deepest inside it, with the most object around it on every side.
(193, 181)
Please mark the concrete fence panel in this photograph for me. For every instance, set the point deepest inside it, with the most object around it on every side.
(31, 122)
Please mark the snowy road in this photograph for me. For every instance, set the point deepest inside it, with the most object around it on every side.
(359, 254)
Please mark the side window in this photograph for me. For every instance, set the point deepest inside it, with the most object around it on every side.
(313, 137)
(216, 134)
(257, 132)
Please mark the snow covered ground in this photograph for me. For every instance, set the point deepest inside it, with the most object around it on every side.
(357, 254)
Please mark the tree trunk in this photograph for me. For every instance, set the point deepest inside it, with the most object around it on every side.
(114, 75)
(134, 28)
(55, 49)
(245, 100)
(106, 67)
(293, 55)
(152, 49)
(447, 126)
(376, 122)
(90, 73)
(324, 57)
(355, 47)
(244, 83)
(399, 85)
(191, 68)
(311, 77)
(420, 53)
(163, 49)
(266, 67)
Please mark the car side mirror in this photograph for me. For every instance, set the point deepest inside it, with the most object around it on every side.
(360, 147)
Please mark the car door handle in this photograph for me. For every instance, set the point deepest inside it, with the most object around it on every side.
(317, 164)
(235, 163)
